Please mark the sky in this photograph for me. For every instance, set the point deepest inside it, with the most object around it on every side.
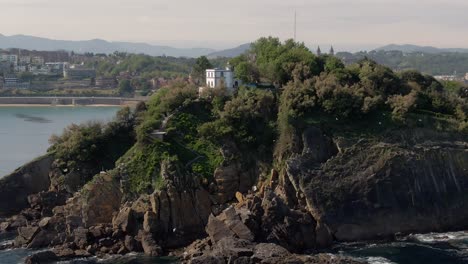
(347, 24)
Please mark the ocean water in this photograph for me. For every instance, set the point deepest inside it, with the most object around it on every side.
(25, 131)
(433, 248)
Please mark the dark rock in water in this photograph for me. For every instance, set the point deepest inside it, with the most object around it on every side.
(265, 251)
(25, 235)
(41, 257)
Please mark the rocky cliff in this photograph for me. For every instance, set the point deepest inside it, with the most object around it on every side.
(407, 181)
(29, 179)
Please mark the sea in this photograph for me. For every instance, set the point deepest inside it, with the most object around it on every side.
(25, 131)
(24, 135)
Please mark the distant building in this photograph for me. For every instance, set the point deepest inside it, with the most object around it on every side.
(319, 51)
(466, 76)
(21, 68)
(106, 82)
(12, 59)
(56, 67)
(10, 79)
(219, 78)
(76, 72)
(446, 78)
(39, 70)
(24, 60)
(37, 60)
(158, 82)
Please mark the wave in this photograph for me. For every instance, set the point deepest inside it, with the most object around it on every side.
(439, 237)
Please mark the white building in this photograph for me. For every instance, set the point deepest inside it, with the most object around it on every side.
(466, 76)
(37, 60)
(221, 78)
(12, 59)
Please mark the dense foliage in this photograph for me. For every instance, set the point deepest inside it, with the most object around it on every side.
(94, 146)
(183, 136)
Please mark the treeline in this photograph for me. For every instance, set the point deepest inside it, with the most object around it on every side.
(429, 63)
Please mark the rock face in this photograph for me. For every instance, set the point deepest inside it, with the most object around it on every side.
(413, 181)
(27, 180)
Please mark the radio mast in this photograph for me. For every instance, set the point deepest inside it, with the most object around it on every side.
(295, 24)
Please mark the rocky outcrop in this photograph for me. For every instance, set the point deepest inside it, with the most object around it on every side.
(409, 181)
(232, 176)
(30, 179)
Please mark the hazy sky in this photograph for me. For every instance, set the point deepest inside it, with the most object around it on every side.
(348, 24)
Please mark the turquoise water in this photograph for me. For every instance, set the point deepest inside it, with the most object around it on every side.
(25, 131)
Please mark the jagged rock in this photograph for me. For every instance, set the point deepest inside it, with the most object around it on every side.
(150, 222)
(82, 253)
(102, 200)
(125, 220)
(81, 237)
(64, 252)
(150, 247)
(105, 242)
(217, 230)
(97, 232)
(239, 197)
(29, 179)
(230, 247)
(25, 235)
(43, 238)
(264, 251)
(44, 222)
(17, 221)
(234, 223)
(131, 244)
(5, 226)
(41, 257)
(324, 238)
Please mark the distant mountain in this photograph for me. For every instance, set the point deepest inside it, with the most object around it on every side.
(96, 46)
(408, 48)
(229, 53)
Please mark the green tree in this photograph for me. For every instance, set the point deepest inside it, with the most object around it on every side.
(201, 65)
(125, 88)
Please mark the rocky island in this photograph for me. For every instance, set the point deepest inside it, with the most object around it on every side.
(333, 154)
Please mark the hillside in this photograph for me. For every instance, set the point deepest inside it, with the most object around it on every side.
(408, 48)
(96, 46)
(230, 53)
(337, 154)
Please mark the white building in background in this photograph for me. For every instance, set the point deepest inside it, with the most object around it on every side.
(221, 78)
(12, 59)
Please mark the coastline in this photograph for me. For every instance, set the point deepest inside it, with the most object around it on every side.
(69, 101)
